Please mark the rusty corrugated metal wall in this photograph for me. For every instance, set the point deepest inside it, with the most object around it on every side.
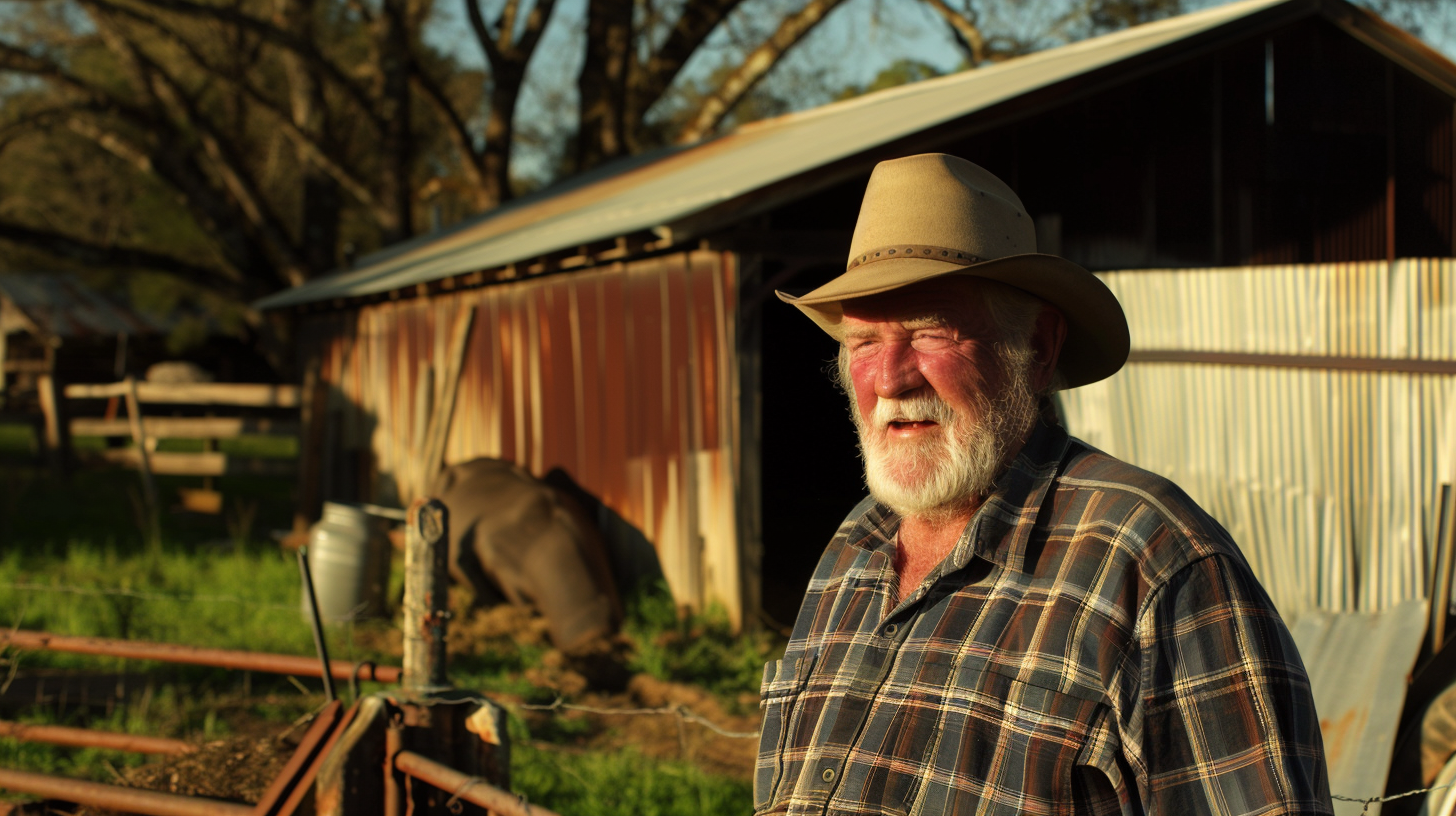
(1329, 478)
(624, 376)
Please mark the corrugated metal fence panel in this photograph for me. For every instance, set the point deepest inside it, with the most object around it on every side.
(1328, 479)
(622, 376)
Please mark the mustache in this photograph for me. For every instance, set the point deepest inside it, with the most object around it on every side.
(923, 408)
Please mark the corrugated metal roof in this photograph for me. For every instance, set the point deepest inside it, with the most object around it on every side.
(656, 193)
(1358, 665)
(60, 305)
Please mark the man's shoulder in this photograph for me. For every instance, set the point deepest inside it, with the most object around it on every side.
(1146, 516)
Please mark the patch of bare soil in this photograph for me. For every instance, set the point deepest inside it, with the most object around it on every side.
(239, 769)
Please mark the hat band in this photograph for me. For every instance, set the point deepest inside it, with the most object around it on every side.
(938, 253)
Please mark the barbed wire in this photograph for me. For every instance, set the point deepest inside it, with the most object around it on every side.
(682, 712)
(142, 595)
(1383, 799)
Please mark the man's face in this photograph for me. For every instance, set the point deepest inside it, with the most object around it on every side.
(938, 406)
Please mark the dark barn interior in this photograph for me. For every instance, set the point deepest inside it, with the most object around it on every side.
(1296, 143)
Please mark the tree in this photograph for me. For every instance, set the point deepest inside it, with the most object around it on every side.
(240, 146)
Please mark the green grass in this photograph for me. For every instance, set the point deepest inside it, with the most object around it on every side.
(622, 783)
(73, 561)
(17, 439)
(700, 649)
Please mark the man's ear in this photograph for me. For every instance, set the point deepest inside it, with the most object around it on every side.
(1046, 340)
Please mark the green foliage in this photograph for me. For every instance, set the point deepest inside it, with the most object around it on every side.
(900, 72)
(700, 649)
(622, 783)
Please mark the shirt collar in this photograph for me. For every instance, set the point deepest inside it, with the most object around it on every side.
(1000, 529)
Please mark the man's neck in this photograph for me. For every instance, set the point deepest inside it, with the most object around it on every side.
(925, 541)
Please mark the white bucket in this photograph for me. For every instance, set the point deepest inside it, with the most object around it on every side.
(349, 563)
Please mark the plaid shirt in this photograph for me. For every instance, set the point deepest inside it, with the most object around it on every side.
(1095, 643)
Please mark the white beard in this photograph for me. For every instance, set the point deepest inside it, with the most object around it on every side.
(942, 473)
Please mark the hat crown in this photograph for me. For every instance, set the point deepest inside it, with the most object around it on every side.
(937, 200)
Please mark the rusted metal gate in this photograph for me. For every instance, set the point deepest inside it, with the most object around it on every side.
(623, 376)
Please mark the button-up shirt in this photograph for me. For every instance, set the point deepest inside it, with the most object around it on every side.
(1095, 643)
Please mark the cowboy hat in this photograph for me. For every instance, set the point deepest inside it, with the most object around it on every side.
(931, 215)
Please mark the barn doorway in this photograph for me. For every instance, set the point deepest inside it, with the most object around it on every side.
(811, 474)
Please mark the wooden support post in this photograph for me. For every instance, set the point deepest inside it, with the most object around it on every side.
(424, 405)
(426, 599)
(56, 436)
(315, 408)
(444, 409)
(144, 464)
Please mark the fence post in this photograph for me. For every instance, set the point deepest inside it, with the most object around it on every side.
(144, 464)
(57, 433)
(426, 595)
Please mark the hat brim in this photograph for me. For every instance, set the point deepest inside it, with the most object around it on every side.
(1097, 337)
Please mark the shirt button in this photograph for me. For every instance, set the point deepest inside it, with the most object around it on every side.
(828, 774)
(891, 629)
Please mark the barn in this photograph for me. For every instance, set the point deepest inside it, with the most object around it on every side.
(1267, 185)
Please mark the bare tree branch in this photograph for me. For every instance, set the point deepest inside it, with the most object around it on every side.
(966, 27)
(118, 257)
(456, 129)
(508, 58)
(268, 33)
(654, 76)
(753, 69)
(18, 61)
(112, 143)
(307, 146)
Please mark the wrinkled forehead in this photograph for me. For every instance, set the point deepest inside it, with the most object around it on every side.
(954, 302)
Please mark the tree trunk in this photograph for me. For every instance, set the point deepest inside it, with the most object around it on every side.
(322, 198)
(603, 83)
(500, 131)
(395, 143)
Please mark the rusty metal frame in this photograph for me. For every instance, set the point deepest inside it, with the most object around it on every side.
(195, 655)
(115, 797)
(463, 786)
(305, 757)
(89, 738)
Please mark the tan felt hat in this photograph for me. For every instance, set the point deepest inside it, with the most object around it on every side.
(931, 215)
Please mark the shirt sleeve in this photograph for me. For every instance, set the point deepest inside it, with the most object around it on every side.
(1224, 720)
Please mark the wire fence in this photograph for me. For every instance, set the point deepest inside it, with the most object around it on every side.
(142, 595)
(684, 714)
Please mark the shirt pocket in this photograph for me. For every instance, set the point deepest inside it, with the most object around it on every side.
(1008, 746)
(783, 683)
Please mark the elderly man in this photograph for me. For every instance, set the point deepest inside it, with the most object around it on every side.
(1014, 622)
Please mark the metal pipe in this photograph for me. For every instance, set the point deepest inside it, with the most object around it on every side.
(316, 623)
(393, 791)
(173, 653)
(115, 797)
(470, 788)
(88, 738)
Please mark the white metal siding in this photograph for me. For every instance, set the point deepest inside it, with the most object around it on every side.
(1328, 479)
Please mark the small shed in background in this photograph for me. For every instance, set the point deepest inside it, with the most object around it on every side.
(51, 322)
(1265, 184)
